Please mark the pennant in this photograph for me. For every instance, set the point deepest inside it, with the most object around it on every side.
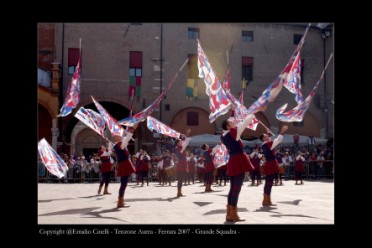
(92, 119)
(221, 155)
(114, 128)
(293, 82)
(52, 161)
(159, 127)
(273, 90)
(73, 93)
(219, 103)
(297, 114)
(241, 97)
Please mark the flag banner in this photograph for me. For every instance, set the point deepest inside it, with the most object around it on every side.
(159, 127)
(226, 81)
(273, 90)
(114, 128)
(52, 161)
(240, 112)
(297, 114)
(221, 155)
(73, 93)
(219, 104)
(241, 97)
(293, 82)
(92, 119)
(141, 116)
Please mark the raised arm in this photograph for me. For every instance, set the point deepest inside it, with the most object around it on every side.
(279, 138)
(241, 126)
(126, 138)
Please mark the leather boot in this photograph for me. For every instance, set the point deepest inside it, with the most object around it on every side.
(235, 215)
(100, 189)
(266, 200)
(105, 192)
(229, 217)
(179, 193)
(121, 203)
(271, 204)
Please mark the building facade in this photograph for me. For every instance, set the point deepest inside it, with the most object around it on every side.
(121, 59)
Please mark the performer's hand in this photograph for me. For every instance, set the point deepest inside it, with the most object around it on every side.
(284, 128)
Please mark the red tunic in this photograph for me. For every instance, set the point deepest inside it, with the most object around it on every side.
(106, 165)
(239, 162)
(271, 164)
(125, 167)
(182, 162)
(299, 166)
(209, 166)
(144, 164)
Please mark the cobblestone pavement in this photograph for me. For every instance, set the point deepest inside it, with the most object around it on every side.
(60, 203)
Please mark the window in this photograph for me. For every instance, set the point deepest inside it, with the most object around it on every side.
(298, 124)
(302, 70)
(297, 38)
(167, 107)
(193, 33)
(135, 73)
(73, 59)
(247, 36)
(192, 119)
(247, 68)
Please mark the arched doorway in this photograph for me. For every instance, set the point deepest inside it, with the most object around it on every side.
(194, 118)
(82, 138)
(44, 124)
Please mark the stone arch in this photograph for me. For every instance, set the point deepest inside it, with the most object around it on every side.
(179, 121)
(116, 110)
(311, 125)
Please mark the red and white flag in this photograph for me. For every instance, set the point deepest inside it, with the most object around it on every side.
(52, 161)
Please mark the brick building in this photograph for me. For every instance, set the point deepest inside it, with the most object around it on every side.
(120, 57)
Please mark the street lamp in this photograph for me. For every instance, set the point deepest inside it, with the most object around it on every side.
(161, 70)
(325, 35)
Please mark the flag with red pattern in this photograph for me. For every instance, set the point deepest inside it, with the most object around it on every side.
(52, 161)
(115, 129)
(273, 90)
(159, 127)
(92, 119)
(73, 93)
(219, 104)
(220, 155)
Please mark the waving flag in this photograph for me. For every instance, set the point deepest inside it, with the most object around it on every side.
(141, 116)
(293, 82)
(52, 161)
(114, 128)
(159, 127)
(73, 93)
(219, 104)
(92, 119)
(221, 155)
(273, 90)
(297, 114)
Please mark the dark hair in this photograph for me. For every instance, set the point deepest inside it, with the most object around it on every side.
(204, 146)
(261, 136)
(224, 124)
